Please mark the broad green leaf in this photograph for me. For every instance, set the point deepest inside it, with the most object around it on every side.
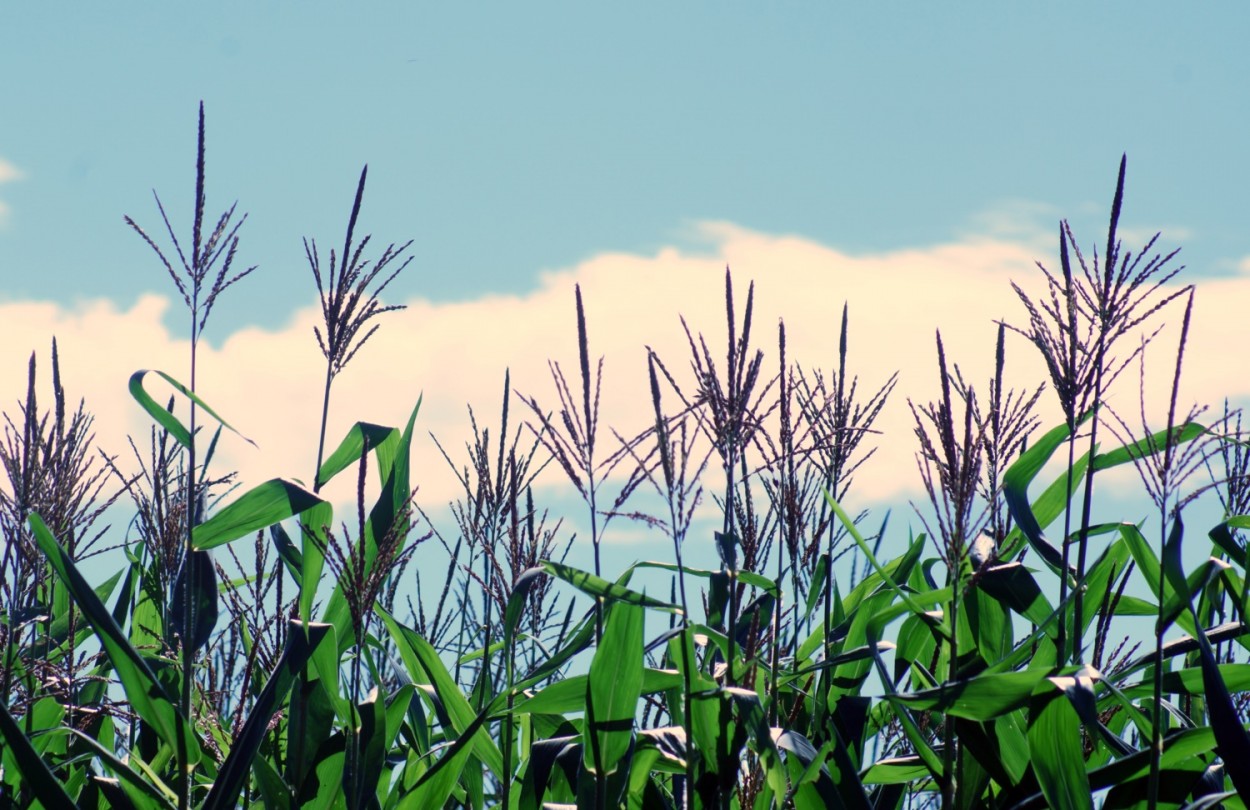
(389, 515)
(613, 688)
(257, 509)
(366, 756)
(361, 438)
(288, 551)
(1014, 586)
(313, 523)
(896, 771)
(274, 792)
(817, 586)
(984, 697)
(436, 785)
(516, 602)
(1055, 748)
(1222, 536)
(143, 792)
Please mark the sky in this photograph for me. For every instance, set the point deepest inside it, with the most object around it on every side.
(910, 162)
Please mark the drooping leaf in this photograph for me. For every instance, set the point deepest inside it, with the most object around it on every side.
(516, 601)
(287, 551)
(166, 419)
(1016, 483)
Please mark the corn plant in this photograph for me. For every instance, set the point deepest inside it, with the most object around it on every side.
(977, 660)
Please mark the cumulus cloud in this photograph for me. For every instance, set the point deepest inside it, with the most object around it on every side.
(268, 383)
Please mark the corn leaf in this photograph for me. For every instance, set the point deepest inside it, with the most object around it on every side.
(257, 509)
(166, 419)
(140, 684)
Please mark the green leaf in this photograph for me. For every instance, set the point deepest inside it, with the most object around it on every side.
(516, 602)
(568, 695)
(257, 509)
(1014, 586)
(32, 769)
(749, 577)
(435, 785)
(592, 585)
(366, 758)
(612, 692)
(140, 791)
(166, 419)
(361, 438)
(1055, 748)
(389, 515)
(233, 774)
(817, 586)
(1232, 741)
(140, 684)
(288, 551)
(984, 697)
(1147, 446)
(853, 530)
(198, 568)
(313, 524)
(425, 667)
(1016, 485)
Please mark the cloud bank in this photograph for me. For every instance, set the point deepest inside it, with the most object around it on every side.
(268, 383)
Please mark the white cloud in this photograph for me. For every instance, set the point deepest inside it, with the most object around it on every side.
(8, 173)
(268, 383)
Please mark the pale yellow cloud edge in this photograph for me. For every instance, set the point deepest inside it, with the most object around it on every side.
(267, 383)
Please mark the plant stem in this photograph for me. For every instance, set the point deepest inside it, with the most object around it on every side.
(1156, 720)
(188, 604)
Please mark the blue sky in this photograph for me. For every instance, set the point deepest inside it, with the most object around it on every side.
(909, 159)
(507, 139)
